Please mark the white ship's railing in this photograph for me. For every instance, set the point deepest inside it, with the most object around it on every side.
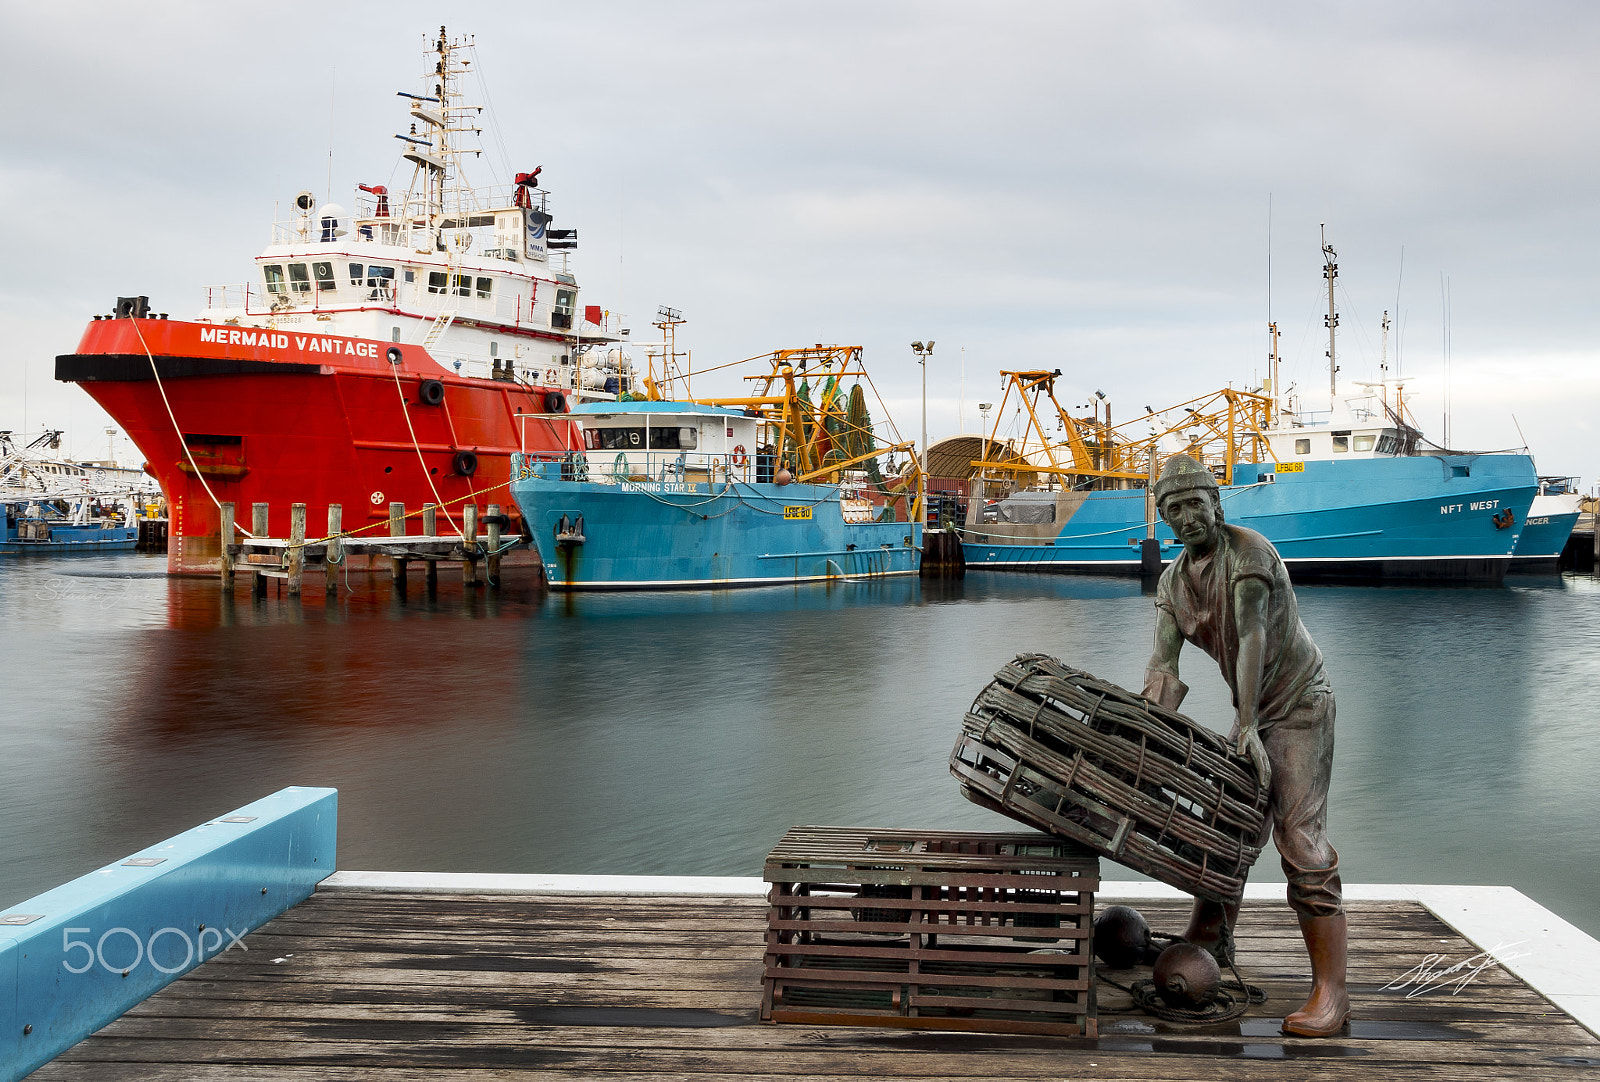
(644, 467)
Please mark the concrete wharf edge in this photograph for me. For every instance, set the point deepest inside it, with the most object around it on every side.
(1551, 955)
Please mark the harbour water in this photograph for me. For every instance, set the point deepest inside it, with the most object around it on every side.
(682, 733)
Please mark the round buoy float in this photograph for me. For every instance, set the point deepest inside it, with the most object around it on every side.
(1121, 937)
(1187, 977)
(740, 456)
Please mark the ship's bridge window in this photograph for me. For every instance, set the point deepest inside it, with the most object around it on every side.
(324, 274)
(1341, 443)
(274, 275)
(438, 282)
(561, 313)
(299, 278)
(485, 286)
(461, 284)
(674, 439)
(1364, 443)
(1302, 447)
(380, 280)
(356, 274)
(1390, 444)
(613, 439)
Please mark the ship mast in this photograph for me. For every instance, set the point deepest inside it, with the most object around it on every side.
(1275, 391)
(1383, 362)
(438, 172)
(1330, 271)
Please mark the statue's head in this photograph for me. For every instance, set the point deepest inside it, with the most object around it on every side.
(1188, 500)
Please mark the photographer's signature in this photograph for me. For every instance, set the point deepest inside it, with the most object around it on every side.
(1433, 973)
(104, 593)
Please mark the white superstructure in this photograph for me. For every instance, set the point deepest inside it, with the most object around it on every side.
(478, 276)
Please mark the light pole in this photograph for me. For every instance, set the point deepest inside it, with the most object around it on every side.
(923, 352)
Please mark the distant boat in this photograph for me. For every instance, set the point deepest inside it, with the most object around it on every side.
(53, 529)
(692, 494)
(56, 506)
(1550, 522)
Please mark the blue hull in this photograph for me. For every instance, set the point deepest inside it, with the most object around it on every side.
(65, 540)
(662, 535)
(1542, 541)
(1420, 517)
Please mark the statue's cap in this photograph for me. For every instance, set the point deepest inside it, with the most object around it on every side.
(1180, 474)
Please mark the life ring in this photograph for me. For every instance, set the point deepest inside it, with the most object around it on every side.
(740, 457)
(549, 375)
(431, 392)
(555, 402)
(465, 463)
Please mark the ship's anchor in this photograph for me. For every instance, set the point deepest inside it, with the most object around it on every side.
(569, 532)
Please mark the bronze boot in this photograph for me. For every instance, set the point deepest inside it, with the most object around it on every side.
(1328, 1008)
(1211, 926)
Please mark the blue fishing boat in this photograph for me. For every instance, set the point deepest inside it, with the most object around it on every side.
(1550, 522)
(1353, 492)
(49, 529)
(696, 494)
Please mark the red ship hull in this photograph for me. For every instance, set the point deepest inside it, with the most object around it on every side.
(283, 417)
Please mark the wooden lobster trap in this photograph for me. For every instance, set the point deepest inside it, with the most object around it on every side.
(964, 931)
(1052, 746)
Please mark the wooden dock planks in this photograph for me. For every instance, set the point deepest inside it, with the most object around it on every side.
(401, 987)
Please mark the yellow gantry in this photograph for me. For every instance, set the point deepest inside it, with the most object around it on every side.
(1221, 429)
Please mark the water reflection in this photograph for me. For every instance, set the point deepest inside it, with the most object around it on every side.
(684, 732)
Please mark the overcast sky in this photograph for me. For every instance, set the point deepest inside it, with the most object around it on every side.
(1032, 185)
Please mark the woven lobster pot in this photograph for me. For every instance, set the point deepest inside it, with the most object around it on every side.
(1052, 746)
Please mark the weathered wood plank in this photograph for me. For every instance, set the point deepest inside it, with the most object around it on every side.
(395, 987)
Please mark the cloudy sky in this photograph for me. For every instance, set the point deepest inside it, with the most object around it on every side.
(1046, 184)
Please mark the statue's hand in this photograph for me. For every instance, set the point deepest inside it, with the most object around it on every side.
(1247, 742)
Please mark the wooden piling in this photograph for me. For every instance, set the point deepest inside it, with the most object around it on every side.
(226, 562)
(297, 546)
(258, 527)
(469, 569)
(335, 555)
(430, 526)
(397, 528)
(492, 562)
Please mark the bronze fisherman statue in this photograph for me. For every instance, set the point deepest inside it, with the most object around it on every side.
(1228, 593)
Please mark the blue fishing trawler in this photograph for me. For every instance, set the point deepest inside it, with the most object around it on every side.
(1353, 492)
(1550, 522)
(50, 529)
(1342, 495)
(697, 494)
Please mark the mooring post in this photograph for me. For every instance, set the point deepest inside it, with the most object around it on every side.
(258, 527)
(297, 546)
(430, 526)
(226, 532)
(335, 553)
(397, 528)
(1150, 546)
(469, 518)
(492, 563)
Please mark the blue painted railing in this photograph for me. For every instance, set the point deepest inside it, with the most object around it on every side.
(74, 958)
